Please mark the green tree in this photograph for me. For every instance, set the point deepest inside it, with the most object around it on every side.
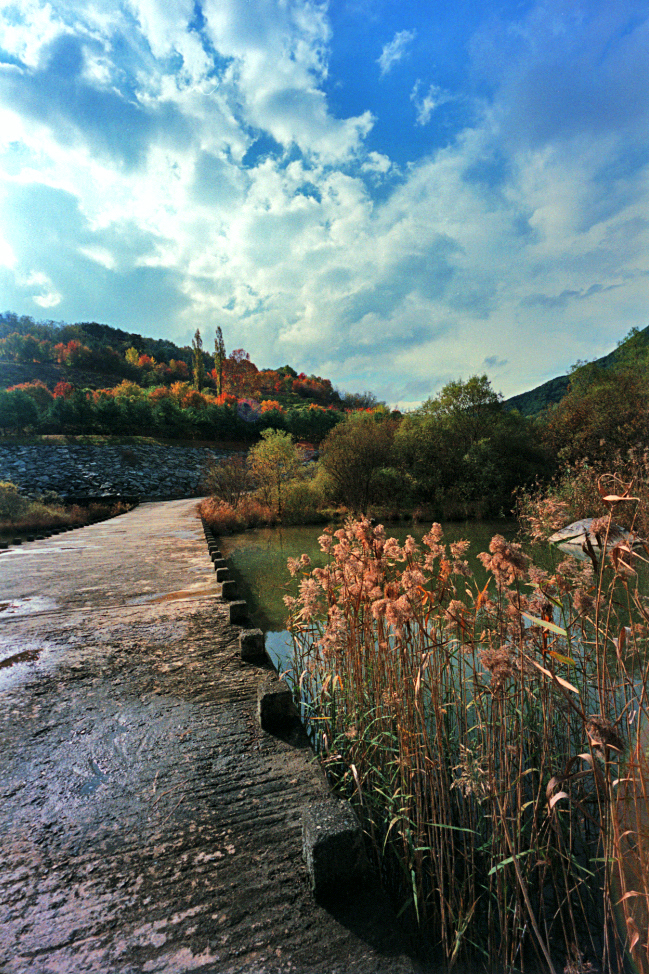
(219, 359)
(468, 409)
(465, 452)
(18, 411)
(273, 462)
(354, 453)
(199, 364)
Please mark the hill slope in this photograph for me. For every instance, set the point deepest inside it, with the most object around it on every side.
(536, 400)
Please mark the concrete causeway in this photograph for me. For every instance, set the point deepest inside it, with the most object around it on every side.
(147, 822)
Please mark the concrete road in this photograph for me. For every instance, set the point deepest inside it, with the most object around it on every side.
(147, 823)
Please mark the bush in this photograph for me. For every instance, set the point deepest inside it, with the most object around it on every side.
(302, 503)
(223, 518)
(12, 505)
(228, 480)
(18, 411)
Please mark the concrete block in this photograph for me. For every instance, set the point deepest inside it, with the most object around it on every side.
(238, 612)
(219, 563)
(275, 707)
(222, 574)
(252, 645)
(228, 590)
(332, 846)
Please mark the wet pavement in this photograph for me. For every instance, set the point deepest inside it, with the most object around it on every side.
(147, 823)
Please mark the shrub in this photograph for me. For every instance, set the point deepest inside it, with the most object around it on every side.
(12, 504)
(228, 480)
(224, 518)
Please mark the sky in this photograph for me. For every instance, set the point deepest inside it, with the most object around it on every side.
(390, 194)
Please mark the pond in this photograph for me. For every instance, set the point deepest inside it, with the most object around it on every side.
(257, 561)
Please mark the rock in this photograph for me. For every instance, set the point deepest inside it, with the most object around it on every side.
(332, 845)
(237, 612)
(251, 645)
(572, 538)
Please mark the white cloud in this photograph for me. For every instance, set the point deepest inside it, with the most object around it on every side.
(243, 201)
(395, 50)
(48, 296)
(427, 104)
(377, 162)
(100, 255)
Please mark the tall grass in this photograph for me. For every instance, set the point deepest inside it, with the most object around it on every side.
(20, 514)
(492, 736)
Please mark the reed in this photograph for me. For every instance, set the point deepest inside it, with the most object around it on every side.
(493, 738)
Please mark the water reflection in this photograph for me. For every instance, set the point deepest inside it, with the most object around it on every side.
(257, 561)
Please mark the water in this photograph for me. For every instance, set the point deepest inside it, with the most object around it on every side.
(257, 561)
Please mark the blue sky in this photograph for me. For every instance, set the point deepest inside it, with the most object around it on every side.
(389, 194)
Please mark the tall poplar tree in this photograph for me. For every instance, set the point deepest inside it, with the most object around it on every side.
(219, 359)
(199, 364)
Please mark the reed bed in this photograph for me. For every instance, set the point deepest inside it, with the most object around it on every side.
(492, 736)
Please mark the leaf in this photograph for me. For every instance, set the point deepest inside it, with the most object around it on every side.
(555, 798)
(553, 676)
(628, 895)
(633, 931)
(545, 624)
(562, 658)
(482, 597)
(507, 862)
(614, 498)
(358, 783)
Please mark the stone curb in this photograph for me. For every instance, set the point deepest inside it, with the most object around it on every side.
(275, 707)
(252, 645)
(228, 589)
(237, 612)
(332, 846)
(61, 529)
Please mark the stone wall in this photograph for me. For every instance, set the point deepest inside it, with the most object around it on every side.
(77, 471)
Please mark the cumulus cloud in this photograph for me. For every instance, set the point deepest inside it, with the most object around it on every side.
(165, 165)
(395, 50)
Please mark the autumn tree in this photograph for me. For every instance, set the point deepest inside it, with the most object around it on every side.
(199, 364)
(240, 373)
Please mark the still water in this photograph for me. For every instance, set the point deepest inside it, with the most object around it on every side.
(257, 561)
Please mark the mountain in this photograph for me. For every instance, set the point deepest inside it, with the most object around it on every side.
(549, 393)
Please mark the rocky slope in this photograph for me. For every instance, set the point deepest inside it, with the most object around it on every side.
(78, 471)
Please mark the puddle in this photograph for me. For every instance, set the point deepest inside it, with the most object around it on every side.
(27, 656)
(190, 593)
(25, 607)
(185, 535)
(90, 785)
(22, 660)
(24, 552)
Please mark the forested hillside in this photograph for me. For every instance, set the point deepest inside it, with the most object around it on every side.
(463, 452)
(92, 378)
(552, 392)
